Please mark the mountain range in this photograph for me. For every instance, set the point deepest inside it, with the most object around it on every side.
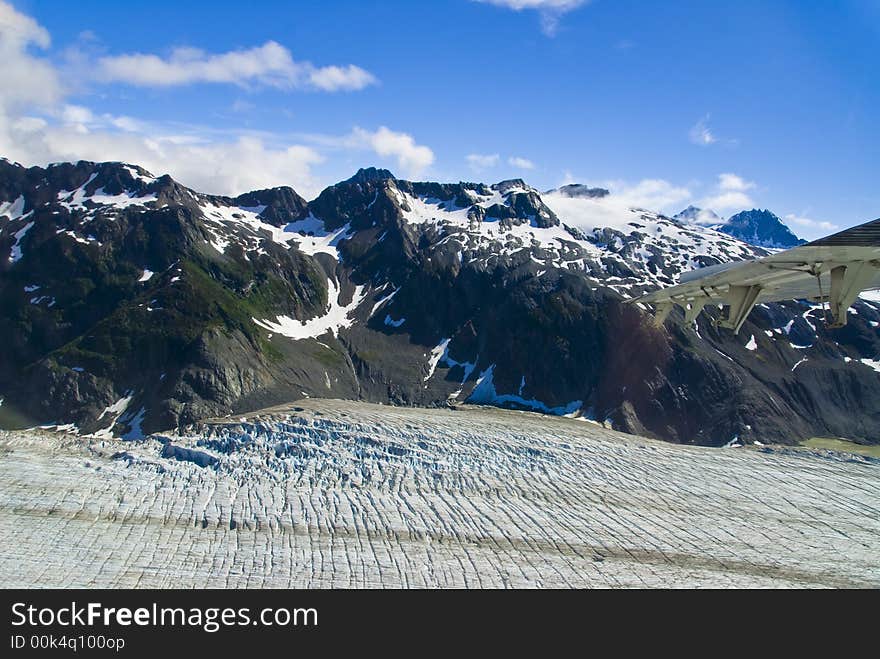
(756, 227)
(133, 304)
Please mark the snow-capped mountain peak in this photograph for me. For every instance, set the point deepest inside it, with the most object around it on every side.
(387, 290)
(761, 227)
(701, 216)
(756, 227)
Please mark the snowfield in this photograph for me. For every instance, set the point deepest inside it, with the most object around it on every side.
(345, 494)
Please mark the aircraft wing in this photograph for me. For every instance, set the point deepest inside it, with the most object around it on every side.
(834, 269)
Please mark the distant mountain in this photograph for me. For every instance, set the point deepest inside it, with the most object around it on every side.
(580, 191)
(130, 304)
(701, 216)
(756, 227)
(762, 228)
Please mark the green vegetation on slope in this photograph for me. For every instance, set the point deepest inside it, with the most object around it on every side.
(837, 444)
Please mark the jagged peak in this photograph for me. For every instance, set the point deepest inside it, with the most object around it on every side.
(277, 192)
(761, 227)
(511, 184)
(369, 174)
(580, 191)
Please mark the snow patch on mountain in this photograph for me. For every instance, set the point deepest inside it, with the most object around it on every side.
(484, 393)
(437, 353)
(114, 411)
(312, 238)
(14, 210)
(244, 225)
(16, 253)
(871, 296)
(336, 317)
(77, 199)
(484, 236)
(383, 300)
(873, 363)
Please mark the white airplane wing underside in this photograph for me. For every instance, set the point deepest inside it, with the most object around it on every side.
(834, 269)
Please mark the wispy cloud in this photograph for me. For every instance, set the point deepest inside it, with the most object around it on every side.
(550, 11)
(809, 223)
(270, 64)
(520, 163)
(241, 106)
(481, 162)
(701, 134)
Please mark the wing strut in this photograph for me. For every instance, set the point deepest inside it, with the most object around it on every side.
(693, 309)
(742, 301)
(662, 310)
(847, 281)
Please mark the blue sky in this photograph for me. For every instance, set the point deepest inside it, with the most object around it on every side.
(767, 104)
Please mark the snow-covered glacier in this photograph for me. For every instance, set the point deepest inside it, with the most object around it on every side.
(326, 493)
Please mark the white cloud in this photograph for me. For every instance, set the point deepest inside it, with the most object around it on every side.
(520, 163)
(334, 78)
(791, 218)
(727, 201)
(479, 162)
(31, 88)
(614, 209)
(729, 194)
(224, 167)
(126, 123)
(270, 64)
(412, 158)
(76, 114)
(734, 182)
(24, 79)
(21, 29)
(651, 194)
(701, 134)
(37, 126)
(550, 11)
(706, 217)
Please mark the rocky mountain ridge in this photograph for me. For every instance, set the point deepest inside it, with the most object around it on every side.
(133, 304)
(756, 227)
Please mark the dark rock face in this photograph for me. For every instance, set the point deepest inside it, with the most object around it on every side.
(130, 304)
(578, 190)
(762, 228)
(118, 293)
(277, 206)
(756, 227)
